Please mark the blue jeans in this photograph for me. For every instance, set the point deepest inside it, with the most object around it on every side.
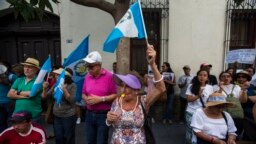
(168, 107)
(96, 128)
(64, 129)
(5, 114)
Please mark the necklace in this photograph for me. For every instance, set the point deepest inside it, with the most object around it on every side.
(128, 115)
(121, 104)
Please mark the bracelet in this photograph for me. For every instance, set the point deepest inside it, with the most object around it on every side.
(156, 81)
(103, 99)
(108, 124)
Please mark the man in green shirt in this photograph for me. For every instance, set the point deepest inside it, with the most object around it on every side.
(21, 88)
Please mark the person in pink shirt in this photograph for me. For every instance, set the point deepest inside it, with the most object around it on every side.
(99, 90)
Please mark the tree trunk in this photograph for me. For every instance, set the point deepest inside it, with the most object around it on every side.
(123, 48)
(123, 56)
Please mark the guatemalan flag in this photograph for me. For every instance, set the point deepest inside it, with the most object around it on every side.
(131, 25)
(58, 89)
(77, 64)
(46, 68)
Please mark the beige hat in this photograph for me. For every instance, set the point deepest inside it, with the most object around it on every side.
(218, 99)
(32, 62)
(59, 71)
(243, 72)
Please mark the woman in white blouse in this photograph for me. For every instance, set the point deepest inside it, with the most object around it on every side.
(226, 87)
(213, 126)
(197, 94)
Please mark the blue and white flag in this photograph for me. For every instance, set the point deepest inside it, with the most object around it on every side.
(58, 89)
(77, 64)
(46, 68)
(131, 25)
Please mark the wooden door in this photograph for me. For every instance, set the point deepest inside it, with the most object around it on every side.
(152, 19)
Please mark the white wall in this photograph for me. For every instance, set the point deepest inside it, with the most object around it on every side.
(196, 34)
(3, 4)
(77, 22)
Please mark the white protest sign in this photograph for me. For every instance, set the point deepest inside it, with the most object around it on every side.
(246, 56)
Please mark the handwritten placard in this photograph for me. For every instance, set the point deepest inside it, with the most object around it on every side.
(246, 56)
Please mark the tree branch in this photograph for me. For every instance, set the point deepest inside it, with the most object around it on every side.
(100, 4)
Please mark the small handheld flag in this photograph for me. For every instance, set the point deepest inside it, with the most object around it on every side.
(46, 68)
(58, 90)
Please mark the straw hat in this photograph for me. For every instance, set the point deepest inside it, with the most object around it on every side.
(59, 71)
(31, 62)
(218, 99)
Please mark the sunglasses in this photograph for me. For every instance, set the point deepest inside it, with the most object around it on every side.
(91, 66)
(241, 76)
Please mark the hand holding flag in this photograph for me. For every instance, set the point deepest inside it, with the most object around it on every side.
(46, 68)
(58, 89)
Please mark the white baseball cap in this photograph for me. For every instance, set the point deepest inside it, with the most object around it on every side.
(3, 69)
(93, 57)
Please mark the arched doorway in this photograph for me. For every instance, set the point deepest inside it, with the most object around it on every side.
(38, 39)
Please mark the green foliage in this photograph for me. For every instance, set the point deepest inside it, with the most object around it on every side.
(32, 9)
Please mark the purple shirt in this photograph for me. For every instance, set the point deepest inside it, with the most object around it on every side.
(102, 85)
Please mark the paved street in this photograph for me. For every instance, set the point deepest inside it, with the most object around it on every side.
(164, 133)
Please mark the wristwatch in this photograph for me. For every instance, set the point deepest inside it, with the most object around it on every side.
(18, 92)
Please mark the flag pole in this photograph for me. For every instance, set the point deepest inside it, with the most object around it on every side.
(146, 35)
(48, 72)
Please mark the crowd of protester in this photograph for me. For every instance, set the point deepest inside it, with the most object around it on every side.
(214, 111)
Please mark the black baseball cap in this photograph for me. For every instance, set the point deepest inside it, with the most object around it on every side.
(21, 116)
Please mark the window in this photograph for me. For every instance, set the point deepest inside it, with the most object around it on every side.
(241, 26)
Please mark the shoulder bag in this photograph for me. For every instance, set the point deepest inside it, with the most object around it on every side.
(150, 139)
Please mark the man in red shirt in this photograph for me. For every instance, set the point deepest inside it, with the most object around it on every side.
(22, 131)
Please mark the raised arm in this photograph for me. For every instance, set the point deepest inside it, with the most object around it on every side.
(159, 87)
